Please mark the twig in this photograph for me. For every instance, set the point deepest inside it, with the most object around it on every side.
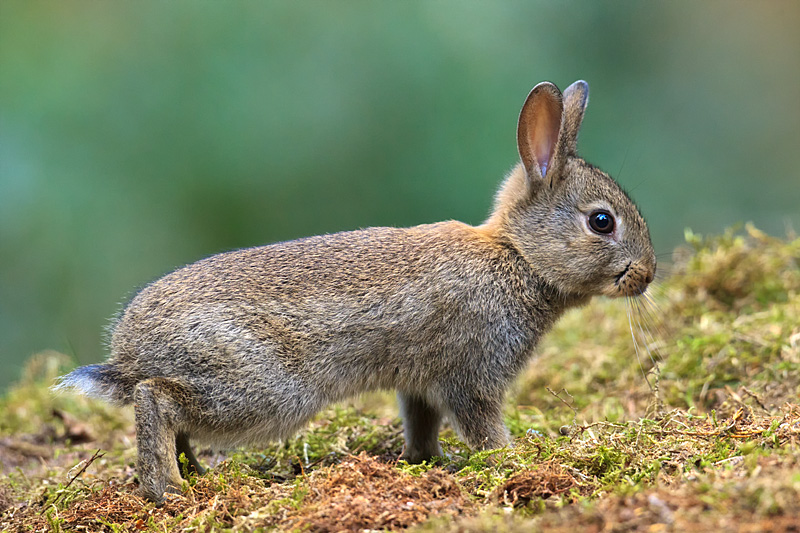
(656, 390)
(87, 462)
(556, 394)
(755, 396)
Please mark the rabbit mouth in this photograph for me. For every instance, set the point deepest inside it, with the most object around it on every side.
(632, 281)
(623, 273)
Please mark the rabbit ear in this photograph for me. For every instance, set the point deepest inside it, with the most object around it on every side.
(576, 97)
(538, 130)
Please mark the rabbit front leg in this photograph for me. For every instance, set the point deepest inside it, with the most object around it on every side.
(421, 422)
(479, 419)
(182, 446)
(157, 411)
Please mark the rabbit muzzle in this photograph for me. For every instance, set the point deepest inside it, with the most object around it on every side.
(633, 280)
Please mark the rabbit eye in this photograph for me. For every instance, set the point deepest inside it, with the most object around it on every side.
(601, 222)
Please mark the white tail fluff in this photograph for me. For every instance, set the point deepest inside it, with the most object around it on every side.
(93, 381)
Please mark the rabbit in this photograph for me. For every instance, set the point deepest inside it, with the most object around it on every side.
(247, 346)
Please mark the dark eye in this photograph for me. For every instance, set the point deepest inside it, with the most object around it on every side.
(601, 222)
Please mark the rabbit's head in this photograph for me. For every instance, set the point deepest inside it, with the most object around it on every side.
(570, 220)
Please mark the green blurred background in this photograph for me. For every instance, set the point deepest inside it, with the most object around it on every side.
(139, 136)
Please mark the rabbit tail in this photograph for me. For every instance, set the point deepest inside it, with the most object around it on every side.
(97, 381)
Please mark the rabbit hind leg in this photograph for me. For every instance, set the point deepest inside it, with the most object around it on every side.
(160, 410)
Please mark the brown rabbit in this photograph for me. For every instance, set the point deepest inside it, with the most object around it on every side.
(246, 346)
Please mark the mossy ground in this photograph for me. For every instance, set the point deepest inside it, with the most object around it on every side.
(695, 426)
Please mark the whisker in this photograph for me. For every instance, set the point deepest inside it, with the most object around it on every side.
(649, 339)
(624, 159)
(662, 276)
(654, 317)
(637, 319)
(635, 343)
(665, 268)
(653, 342)
(649, 300)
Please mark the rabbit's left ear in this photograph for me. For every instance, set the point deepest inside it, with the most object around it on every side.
(538, 131)
(576, 97)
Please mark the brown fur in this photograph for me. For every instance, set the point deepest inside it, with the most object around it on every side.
(246, 346)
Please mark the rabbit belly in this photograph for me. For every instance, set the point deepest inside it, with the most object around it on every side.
(252, 415)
